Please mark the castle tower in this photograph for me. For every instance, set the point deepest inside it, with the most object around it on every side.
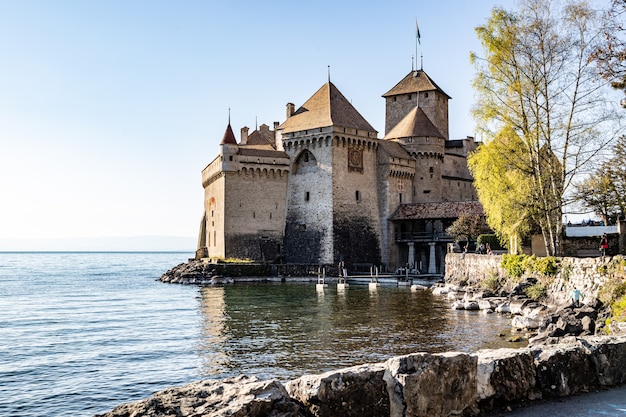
(417, 89)
(332, 207)
(244, 198)
(427, 145)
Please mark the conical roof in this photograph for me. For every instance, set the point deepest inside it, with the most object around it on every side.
(327, 107)
(229, 136)
(414, 81)
(414, 124)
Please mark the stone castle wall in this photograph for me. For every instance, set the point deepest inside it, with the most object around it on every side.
(356, 222)
(308, 226)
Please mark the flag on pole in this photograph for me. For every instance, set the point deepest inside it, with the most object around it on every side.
(417, 32)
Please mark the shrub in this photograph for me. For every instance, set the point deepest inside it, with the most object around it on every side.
(536, 292)
(512, 264)
(492, 282)
(547, 266)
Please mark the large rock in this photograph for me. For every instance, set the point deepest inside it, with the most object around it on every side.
(434, 385)
(564, 369)
(504, 376)
(234, 397)
(609, 358)
(359, 391)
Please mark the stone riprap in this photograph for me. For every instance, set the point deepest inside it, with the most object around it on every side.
(419, 384)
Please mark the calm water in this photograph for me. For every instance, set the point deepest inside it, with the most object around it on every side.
(83, 332)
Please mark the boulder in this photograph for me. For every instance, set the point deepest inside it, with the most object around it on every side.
(564, 369)
(504, 376)
(433, 384)
(525, 323)
(359, 391)
(235, 397)
(471, 305)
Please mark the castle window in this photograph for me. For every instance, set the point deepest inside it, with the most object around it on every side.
(306, 157)
(426, 94)
(426, 191)
(410, 97)
(307, 196)
(400, 198)
(230, 158)
(357, 194)
(431, 170)
(254, 214)
(414, 191)
(214, 238)
(270, 216)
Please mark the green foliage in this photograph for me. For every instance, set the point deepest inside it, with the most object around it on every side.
(619, 309)
(517, 265)
(512, 264)
(532, 56)
(491, 239)
(536, 291)
(466, 227)
(492, 282)
(547, 266)
(503, 188)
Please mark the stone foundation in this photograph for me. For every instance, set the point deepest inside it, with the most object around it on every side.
(419, 384)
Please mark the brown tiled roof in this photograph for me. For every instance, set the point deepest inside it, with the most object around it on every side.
(394, 149)
(414, 124)
(262, 136)
(445, 210)
(415, 81)
(261, 151)
(327, 107)
(229, 136)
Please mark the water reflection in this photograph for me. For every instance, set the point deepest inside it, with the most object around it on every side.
(286, 330)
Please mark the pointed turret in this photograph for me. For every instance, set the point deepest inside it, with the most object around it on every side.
(229, 136)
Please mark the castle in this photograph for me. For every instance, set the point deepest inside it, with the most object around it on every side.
(322, 187)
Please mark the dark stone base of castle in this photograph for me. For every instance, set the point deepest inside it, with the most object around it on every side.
(419, 384)
(200, 272)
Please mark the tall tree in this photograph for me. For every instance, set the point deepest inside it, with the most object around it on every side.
(538, 79)
(597, 193)
(611, 53)
(503, 187)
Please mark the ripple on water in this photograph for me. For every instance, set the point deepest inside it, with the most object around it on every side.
(83, 333)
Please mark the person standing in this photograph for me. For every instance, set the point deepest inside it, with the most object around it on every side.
(604, 244)
(576, 295)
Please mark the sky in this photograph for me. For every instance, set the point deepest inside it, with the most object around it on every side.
(109, 110)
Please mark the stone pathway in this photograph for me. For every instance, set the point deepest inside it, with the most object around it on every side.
(611, 402)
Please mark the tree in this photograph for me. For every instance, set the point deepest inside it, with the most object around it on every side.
(537, 78)
(597, 193)
(604, 191)
(611, 53)
(503, 187)
(467, 227)
(616, 171)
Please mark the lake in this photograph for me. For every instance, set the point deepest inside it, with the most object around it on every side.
(84, 332)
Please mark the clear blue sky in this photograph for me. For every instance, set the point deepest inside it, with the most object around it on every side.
(109, 110)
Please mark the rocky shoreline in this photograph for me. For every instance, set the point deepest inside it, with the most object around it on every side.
(419, 384)
(565, 355)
